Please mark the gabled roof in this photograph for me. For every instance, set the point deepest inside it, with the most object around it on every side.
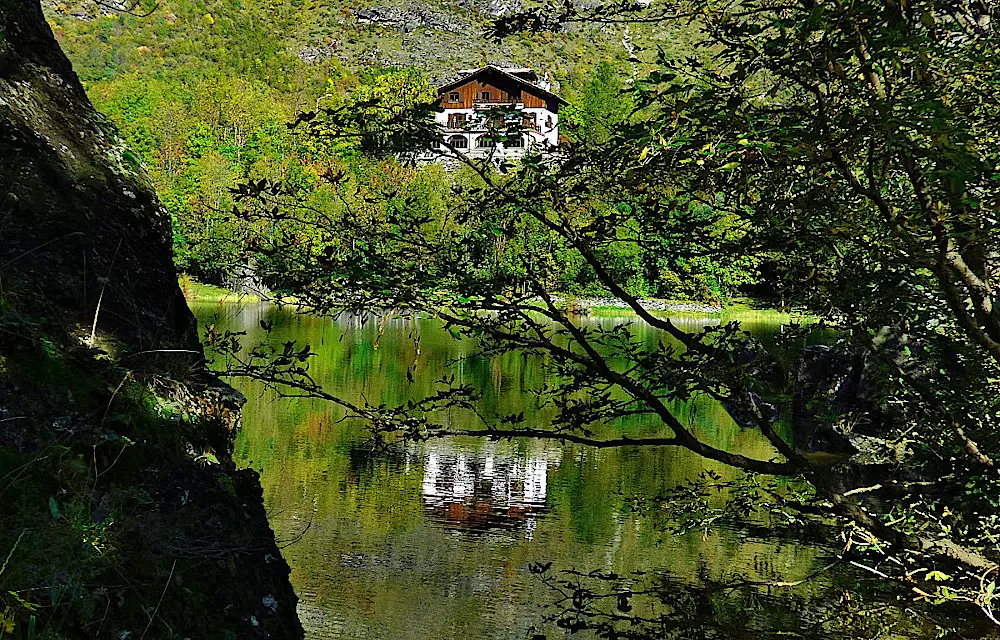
(521, 72)
(506, 73)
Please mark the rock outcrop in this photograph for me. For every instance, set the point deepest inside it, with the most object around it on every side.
(122, 513)
(834, 409)
(411, 17)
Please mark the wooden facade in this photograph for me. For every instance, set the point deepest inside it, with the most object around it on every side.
(491, 87)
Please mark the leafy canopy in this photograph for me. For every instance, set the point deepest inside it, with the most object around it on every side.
(847, 151)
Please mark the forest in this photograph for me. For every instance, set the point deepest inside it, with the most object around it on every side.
(199, 127)
(380, 403)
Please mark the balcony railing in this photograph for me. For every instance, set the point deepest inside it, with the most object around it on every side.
(516, 104)
(479, 128)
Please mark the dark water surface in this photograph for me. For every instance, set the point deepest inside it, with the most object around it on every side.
(433, 541)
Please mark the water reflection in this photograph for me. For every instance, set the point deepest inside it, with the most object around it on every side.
(485, 490)
(434, 541)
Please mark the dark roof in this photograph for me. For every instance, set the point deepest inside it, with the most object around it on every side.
(521, 72)
(545, 93)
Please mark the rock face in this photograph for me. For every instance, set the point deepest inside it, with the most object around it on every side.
(81, 223)
(825, 389)
(436, 38)
(88, 11)
(410, 17)
(491, 8)
(121, 509)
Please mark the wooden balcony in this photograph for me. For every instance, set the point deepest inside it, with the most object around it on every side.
(492, 104)
(482, 127)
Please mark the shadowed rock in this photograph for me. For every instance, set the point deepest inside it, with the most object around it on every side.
(103, 390)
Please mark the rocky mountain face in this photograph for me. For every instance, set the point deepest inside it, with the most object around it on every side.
(411, 17)
(118, 491)
(440, 37)
(434, 36)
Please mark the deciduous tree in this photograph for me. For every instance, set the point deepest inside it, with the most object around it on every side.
(858, 141)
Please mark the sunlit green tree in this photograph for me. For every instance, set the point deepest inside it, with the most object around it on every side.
(859, 142)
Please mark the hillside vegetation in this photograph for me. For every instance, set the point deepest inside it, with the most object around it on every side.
(202, 92)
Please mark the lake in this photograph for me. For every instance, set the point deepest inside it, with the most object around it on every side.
(433, 541)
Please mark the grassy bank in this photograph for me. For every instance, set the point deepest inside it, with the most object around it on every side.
(123, 513)
(744, 309)
(194, 290)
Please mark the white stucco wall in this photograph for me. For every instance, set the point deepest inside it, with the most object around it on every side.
(547, 136)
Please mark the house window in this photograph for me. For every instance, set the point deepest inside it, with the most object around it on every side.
(456, 120)
(514, 142)
(485, 142)
(454, 97)
(514, 95)
(483, 96)
(459, 142)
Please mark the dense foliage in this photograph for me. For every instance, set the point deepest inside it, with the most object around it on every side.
(849, 152)
(203, 92)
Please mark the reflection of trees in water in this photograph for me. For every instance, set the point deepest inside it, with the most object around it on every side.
(488, 488)
(657, 606)
(402, 525)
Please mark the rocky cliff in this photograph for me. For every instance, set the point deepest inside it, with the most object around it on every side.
(121, 512)
(440, 37)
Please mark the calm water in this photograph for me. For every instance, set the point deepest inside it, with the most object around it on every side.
(433, 541)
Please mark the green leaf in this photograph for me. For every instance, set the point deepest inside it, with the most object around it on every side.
(208, 457)
(53, 507)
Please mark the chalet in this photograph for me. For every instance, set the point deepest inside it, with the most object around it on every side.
(498, 112)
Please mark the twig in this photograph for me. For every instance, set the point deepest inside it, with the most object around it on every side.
(284, 544)
(110, 401)
(792, 583)
(139, 353)
(93, 328)
(920, 592)
(874, 487)
(12, 550)
(19, 471)
(103, 418)
(110, 466)
(160, 601)
(41, 246)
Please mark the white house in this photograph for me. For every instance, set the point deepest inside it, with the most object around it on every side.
(498, 112)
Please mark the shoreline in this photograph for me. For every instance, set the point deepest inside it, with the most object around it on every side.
(587, 304)
(195, 290)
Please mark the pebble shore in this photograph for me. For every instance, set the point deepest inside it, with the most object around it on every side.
(586, 304)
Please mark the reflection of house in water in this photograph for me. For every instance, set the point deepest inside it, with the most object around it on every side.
(495, 487)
